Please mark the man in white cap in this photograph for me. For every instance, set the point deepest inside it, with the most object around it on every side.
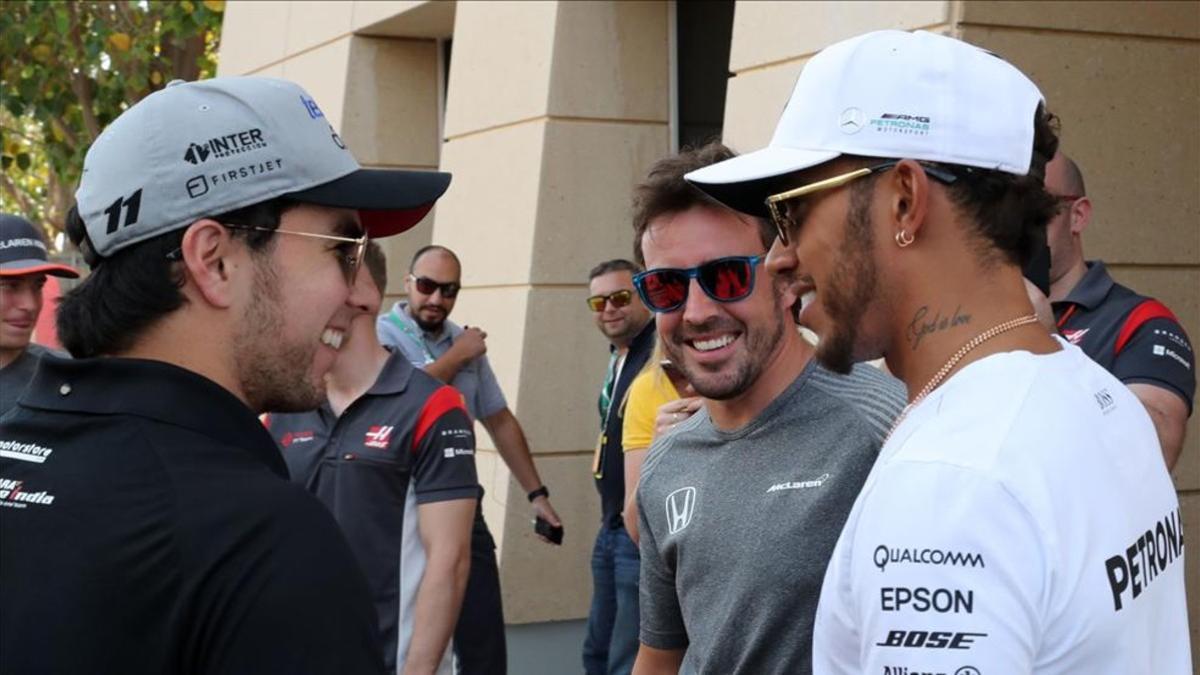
(1019, 518)
(148, 522)
(23, 270)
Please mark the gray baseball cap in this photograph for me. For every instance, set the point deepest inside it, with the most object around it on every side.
(200, 149)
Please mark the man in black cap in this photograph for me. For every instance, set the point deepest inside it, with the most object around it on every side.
(23, 270)
(147, 518)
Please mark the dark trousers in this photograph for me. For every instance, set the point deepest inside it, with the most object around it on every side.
(612, 631)
(479, 647)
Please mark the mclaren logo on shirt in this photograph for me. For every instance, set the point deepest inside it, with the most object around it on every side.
(1132, 570)
(800, 484)
(681, 505)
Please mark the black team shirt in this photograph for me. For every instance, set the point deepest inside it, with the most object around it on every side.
(147, 526)
(1135, 338)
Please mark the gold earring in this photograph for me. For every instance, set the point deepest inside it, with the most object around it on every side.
(904, 239)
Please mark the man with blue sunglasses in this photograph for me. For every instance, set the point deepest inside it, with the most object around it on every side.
(740, 507)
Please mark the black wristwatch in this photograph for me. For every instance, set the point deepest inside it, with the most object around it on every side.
(540, 492)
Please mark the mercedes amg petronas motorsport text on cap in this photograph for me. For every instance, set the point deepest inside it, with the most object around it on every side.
(895, 95)
(200, 149)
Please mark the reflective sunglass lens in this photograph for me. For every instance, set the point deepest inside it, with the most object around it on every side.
(665, 289)
(618, 299)
(726, 279)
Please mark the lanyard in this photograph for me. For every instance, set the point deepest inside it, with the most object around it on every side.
(403, 326)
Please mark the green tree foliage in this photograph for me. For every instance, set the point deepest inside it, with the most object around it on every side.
(67, 69)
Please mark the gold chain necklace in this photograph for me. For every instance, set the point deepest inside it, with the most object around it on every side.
(958, 356)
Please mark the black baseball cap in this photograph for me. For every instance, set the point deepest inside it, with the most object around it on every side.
(23, 251)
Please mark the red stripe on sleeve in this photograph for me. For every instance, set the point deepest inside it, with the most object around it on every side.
(1149, 309)
(442, 401)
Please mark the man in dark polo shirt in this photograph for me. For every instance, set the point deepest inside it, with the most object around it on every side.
(23, 270)
(421, 328)
(147, 522)
(1134, 337)
(612, 632)
(392, 454)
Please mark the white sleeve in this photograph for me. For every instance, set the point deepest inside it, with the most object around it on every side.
(946, 572)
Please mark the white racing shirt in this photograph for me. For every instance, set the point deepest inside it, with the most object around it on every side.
(1020, 520)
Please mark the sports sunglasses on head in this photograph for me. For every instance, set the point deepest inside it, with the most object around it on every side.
(724, 280)
(427, 286)
(618, 299)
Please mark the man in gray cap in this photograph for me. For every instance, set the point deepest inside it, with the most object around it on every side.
(148, 522)
(23, 271)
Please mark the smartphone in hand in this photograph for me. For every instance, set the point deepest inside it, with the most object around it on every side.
(552, 532)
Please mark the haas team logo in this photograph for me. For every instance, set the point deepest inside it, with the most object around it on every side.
(1075, 336)
(378, 437)
(681, 505)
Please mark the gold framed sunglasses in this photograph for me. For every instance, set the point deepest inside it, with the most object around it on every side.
(618, 299)
(775, 202)
(348, 261)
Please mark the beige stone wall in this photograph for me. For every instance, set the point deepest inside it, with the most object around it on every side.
(1124, 78)
(554, 111)
(372, 65)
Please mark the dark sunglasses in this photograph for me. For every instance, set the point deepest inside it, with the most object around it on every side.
(618, 299)
(427, 286)
(724, 280)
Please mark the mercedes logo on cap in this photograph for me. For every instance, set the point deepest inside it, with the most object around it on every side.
(851, 121)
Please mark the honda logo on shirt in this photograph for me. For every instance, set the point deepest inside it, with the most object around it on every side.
(377, 437)
(681, 504)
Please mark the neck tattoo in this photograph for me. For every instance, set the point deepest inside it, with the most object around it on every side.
(941, 374)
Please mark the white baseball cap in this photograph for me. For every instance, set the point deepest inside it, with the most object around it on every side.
(200, 149)
(889, 94)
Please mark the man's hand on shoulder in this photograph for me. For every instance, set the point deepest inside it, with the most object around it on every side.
(466, 347)
(471, 343)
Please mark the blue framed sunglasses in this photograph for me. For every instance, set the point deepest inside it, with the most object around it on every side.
(728, 279)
